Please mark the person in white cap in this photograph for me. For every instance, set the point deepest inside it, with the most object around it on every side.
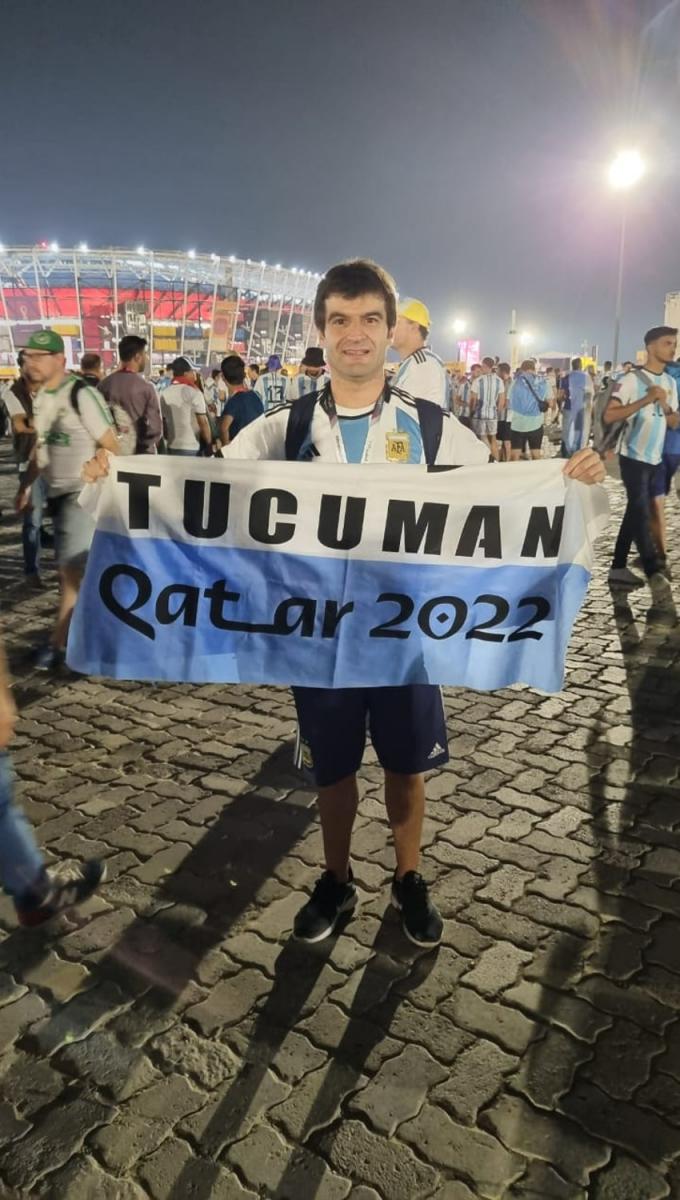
(421, 372)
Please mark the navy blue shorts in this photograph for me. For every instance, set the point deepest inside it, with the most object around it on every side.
(663, 476)
(406, 724)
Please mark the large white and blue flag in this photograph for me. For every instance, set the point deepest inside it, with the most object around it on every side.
(354, 576)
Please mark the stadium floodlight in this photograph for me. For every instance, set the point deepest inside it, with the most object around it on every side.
(294, 270)
(277, 267)
(2, 248)
(84, 247)
(54, 246)
(459, 326)
(214, 257)
(141, 250)
(526, 338)
(232, 258)
(191, 253)
(262, 263)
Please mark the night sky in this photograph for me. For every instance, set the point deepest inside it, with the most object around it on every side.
(462, 143)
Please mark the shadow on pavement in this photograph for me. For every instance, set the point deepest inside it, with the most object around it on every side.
(617, 995)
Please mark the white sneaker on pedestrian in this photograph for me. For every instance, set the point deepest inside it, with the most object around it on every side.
(624, 577)
(660, 586)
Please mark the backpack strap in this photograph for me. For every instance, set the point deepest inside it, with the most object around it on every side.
(431, 421)
(78, 385)
(299, 424)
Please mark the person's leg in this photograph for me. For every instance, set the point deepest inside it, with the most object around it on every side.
(405, 804)
(69, 585)
(535, 441)
(22, 868)
(636, 526)
(657, 521)
(337, 811)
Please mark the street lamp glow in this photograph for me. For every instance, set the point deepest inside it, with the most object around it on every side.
(459, 326)
(626, 170)
(526, 338)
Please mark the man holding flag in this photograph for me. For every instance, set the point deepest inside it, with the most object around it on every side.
(359, 418)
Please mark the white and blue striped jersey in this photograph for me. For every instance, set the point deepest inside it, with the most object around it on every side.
(266, 437)
(423, 374)
(301, 384)
(486, 392)
(271, 388)
(644, 433)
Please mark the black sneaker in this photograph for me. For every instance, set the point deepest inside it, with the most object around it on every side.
(64, 888)
(317, 918)
(420, 920)
(49, 658)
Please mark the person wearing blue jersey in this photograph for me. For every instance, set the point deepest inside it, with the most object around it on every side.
(527, 405)
(646, 401)
(271, 385)
(487, 401)
(421, 372)
(359, 417)
(577, 403)
(307, 379)
(664, 475)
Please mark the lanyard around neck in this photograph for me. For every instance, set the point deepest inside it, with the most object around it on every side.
(328, 405)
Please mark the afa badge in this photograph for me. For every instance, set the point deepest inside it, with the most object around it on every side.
(397, 447)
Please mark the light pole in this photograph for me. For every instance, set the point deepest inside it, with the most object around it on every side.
(625, 171)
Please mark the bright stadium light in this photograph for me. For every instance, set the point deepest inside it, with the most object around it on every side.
(141, 250)
(277, 267)
(2, 248)
(54, 246)
(294, 270)
(526, 338)
(626, 170)
(232, 258)
(191, 253)
(214, 257)
(84, 247)
(459, 326)
(262, 263)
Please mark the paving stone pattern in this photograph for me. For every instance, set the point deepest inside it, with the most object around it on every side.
(171, 1042)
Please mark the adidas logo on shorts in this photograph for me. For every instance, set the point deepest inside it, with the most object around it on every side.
(436, 751)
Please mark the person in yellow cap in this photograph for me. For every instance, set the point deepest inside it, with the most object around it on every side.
(421, 372)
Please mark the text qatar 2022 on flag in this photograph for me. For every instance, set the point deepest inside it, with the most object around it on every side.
(348, 576)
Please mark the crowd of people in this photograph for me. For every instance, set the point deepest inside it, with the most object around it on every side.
(343, 405)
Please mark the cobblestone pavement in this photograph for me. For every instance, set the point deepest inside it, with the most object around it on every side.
(172, 1042)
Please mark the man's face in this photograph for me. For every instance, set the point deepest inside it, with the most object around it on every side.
(253, 374)
(44, 367)
(356, 336)
(139, 361)
(313, 372)
(403, 334)
(664, 348)
(475, 372)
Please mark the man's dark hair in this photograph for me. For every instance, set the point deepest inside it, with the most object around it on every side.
(608, 365)
(358, 277)
(90, 362)
(129, 346)
(576, 364)
(254, 367)
(476, 367)
(180, 366)
(628, 363)
(233, 369)
(488, 362)
(215, 374)
(659, 331)
(503, 366)
(21, 358)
